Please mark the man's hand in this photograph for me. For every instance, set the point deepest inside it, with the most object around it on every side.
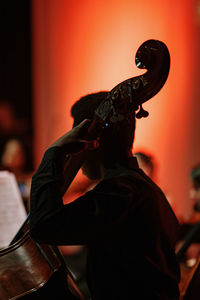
(74, 140)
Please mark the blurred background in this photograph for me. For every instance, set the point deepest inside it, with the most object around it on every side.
(55, 51)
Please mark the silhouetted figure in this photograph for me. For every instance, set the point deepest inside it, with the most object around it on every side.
(125, 221)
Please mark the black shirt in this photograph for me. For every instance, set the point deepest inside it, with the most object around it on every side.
(126, 222)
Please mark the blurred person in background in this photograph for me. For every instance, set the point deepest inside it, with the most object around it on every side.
(195, 194)
(16, 147)
(10, 124)
(146, 163)
(14, 159)
(192, 216)
(13, 126)
(190, 222)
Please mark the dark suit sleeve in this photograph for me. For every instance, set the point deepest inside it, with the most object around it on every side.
(51, 221)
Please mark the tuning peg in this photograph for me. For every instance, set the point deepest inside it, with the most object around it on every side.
(141, 113)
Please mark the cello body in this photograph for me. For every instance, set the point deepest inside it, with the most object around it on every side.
(29, 270)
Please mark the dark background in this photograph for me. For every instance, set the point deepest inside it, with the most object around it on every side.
(15, 65)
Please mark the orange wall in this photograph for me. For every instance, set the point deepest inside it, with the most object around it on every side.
(87, 46)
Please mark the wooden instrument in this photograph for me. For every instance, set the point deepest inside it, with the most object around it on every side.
(30, 270)
(126, 98)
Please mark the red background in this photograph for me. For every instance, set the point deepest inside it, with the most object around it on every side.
(86, 46)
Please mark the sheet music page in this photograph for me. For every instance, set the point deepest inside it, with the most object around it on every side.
(12, 210)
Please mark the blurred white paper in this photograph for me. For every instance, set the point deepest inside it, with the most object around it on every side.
(12, 210)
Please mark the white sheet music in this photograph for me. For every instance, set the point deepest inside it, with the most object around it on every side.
(12, 210)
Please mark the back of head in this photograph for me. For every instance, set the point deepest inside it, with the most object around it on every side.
(195, 176)
(117, 139)
(146, 163)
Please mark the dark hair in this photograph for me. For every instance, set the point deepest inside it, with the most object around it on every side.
(146, 158)
(117, 138)
(85, 107)
(195, 176)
